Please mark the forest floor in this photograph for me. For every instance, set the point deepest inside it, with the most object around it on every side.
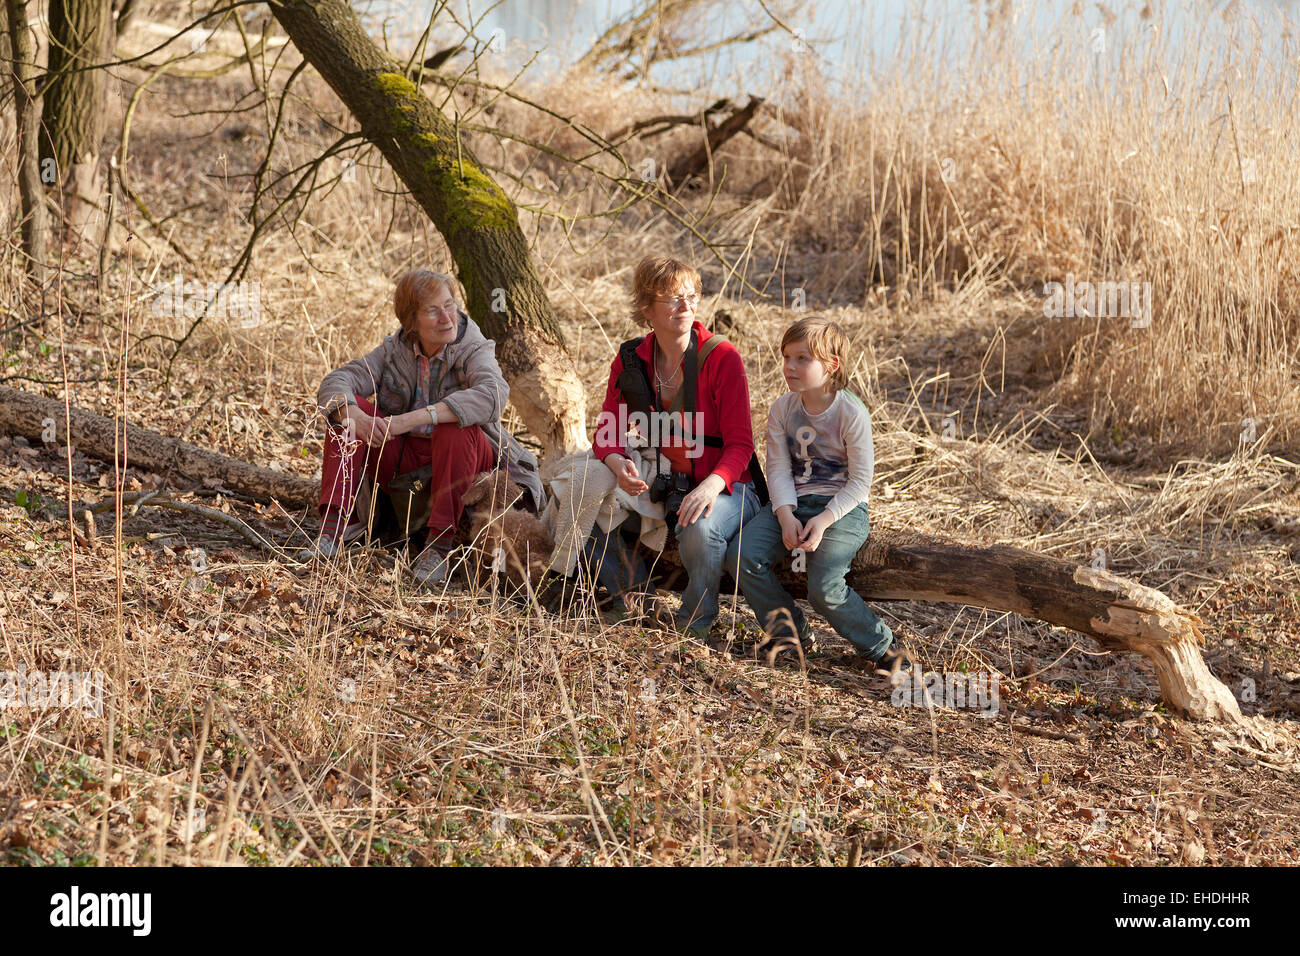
(261, 711)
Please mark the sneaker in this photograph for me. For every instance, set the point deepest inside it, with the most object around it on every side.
(328, 545)
(324, 547)
(557, 592)
(894, 661)
(771, 649)
(695, 632)
(648, 610)
(430, 568)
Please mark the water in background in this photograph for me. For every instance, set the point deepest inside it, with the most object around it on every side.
(848, 37)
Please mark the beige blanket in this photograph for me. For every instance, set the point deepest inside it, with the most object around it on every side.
(584, 493)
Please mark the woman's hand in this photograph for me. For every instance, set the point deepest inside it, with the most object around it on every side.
(371, 429)
(698, 502)
(791, 527)
(625, 474)
(814, 529)
(419, 417)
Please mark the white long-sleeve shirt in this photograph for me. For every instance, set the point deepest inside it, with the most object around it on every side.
(826, 454)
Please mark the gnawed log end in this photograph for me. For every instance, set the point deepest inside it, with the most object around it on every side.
(1148, 622)
(1120, 614)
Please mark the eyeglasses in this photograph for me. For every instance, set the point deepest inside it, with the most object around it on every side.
(449, 309)
(676, 301)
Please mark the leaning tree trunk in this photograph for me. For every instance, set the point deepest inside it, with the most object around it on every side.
(80, 32)
(478, 221)
(1119, 614)
(27, 114)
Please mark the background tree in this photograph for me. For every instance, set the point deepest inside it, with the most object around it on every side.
(27, 112)
(124, 12)
(476, 218)
(80, 36)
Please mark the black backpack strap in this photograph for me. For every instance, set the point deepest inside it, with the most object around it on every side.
(634, 385)
(688, 393)
(760, 482)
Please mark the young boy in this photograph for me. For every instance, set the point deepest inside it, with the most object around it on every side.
(819, 467)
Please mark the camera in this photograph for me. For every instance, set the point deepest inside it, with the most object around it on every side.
(670, 489)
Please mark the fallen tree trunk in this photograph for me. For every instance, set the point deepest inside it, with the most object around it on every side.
(1121, 615)
(22, 413)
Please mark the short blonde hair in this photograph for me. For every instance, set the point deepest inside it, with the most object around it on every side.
(411, 290)
(655, 276)
(827, 342)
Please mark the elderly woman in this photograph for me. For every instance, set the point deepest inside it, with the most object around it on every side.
(699, 466)
(438, 397)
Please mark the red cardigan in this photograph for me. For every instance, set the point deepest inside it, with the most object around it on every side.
(722, 394)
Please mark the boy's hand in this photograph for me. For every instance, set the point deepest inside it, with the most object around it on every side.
(791, 527)
(814, 529)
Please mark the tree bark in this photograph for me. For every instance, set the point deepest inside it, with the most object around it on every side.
(22, 413)
(74, 96)
(1119, 614)
(6, 118)
(27, 116)
(478, 221)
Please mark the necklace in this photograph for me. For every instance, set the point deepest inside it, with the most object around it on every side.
(665, 382)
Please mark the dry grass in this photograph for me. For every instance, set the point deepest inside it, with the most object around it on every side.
(330, 715)
(979, 169)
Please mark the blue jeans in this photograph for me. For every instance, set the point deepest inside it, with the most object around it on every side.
(702, 547)
(761, 547)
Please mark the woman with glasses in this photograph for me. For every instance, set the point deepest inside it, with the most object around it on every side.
(438, 396)
(701, 471)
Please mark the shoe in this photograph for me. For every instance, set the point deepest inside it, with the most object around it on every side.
(327, 546)
(557, 592)
(770, 649)
(324, 548)
(647, 610)
(695, 632)
(894, 661)
(430, 568)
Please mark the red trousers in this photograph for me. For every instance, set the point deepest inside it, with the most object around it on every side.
(457, 455)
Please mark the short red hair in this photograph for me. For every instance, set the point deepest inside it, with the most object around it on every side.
(658, 275)
(411, 291)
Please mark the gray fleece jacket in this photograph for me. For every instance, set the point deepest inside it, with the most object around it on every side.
(471, 386)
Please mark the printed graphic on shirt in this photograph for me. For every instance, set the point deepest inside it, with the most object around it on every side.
(813, 462)
(829, 453)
